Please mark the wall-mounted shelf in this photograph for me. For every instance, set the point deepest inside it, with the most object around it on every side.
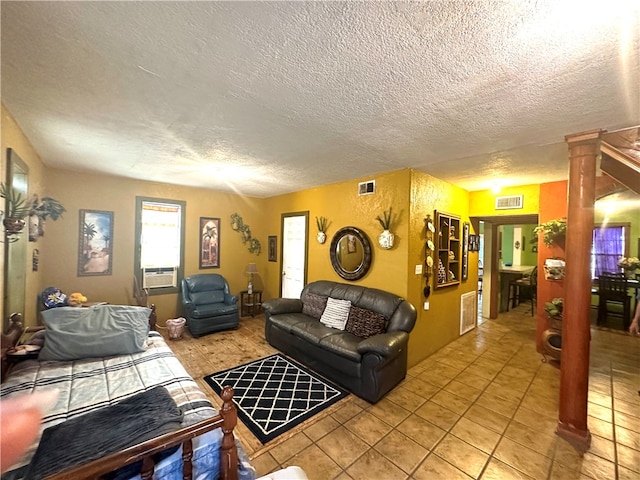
(448, 249)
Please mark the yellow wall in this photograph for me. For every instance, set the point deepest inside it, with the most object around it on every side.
(343, 207)
(411, 194)
(483, 203)
(59, 251)
(439, 325)
(14, 138)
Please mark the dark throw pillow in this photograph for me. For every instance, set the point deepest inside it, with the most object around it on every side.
(365, 323)
(314, 305)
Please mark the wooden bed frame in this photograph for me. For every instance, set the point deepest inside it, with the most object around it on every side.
(226, 419)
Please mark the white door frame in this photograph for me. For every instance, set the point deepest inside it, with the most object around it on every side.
(283, 244)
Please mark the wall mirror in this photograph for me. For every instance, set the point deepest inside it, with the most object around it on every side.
(350, 253)
(15, 253)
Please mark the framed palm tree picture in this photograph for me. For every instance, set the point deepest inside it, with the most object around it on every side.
(95, 252)
(209, 242)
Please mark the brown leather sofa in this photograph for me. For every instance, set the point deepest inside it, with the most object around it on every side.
(368, 367)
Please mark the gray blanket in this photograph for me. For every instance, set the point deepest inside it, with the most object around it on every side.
(107, 430)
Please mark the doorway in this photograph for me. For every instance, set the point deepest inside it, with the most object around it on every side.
(503, 239)
(15, 249)
(295, 232)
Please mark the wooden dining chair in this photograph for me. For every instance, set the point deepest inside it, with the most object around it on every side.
(614, 291)
(525, 288)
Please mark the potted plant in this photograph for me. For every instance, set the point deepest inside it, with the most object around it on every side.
(40, 211)
(322, 223)
(554, 231)
(385, 240)
(629, 265)
(17, 208)
(554, 312)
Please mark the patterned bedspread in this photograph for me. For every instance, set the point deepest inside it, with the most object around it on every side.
(88, 384)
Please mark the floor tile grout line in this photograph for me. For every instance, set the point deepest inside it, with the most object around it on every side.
(613, 421)
(448, 431)
(511, 419)
(489, 339)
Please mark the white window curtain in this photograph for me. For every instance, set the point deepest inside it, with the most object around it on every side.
(160, 235)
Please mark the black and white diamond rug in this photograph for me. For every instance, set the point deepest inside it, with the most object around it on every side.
(274, 394)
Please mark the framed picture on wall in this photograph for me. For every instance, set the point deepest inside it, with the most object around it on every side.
(474, 243)
(209, 242)
(273, 248)
(95, 240)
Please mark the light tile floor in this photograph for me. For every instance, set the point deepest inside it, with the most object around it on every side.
(483, 407)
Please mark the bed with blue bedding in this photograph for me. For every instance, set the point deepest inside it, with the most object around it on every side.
(92, 389)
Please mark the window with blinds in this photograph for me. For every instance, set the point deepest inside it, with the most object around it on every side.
(160, 243)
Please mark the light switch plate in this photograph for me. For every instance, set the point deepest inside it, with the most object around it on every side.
(426, 305)
(418, 269)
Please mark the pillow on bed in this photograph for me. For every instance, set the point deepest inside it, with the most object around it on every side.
(97, 331)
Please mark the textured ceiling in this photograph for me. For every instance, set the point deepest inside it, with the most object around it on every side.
(265, 98)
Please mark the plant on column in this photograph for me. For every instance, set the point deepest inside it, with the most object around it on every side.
(554, 232)
(554, 312)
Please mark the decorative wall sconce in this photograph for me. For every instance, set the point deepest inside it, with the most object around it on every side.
(322, 224)
(385, 240)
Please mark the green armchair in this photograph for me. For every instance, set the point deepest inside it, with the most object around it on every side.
(207, 304)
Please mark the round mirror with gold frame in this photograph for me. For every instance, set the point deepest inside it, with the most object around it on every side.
(350, 253)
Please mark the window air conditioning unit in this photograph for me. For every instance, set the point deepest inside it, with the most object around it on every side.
(367, 188)
(159, 277)
(508, 203)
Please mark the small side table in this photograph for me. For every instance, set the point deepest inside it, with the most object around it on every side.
(250, 303)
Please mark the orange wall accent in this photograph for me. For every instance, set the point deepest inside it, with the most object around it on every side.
(553, 204)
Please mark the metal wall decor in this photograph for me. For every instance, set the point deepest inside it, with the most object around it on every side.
(429, 252)
(245, 231)
(465, 250)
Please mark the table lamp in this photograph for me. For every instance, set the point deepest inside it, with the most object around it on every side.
(250, 270)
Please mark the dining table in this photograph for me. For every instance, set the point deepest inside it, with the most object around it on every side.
(633, 286)
(509, 273)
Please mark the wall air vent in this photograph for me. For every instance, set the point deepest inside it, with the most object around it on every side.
(367, 188)
(468, 312)
(508, 203)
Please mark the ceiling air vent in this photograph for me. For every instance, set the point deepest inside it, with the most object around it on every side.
(367, 188)
(507, 203)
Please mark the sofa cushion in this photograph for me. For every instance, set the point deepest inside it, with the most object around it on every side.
(336, 313)
(365, 323)
(213, 309)
(343, 344)
(207, 298)
(286, 321)
(314, 305)
(312, 331)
